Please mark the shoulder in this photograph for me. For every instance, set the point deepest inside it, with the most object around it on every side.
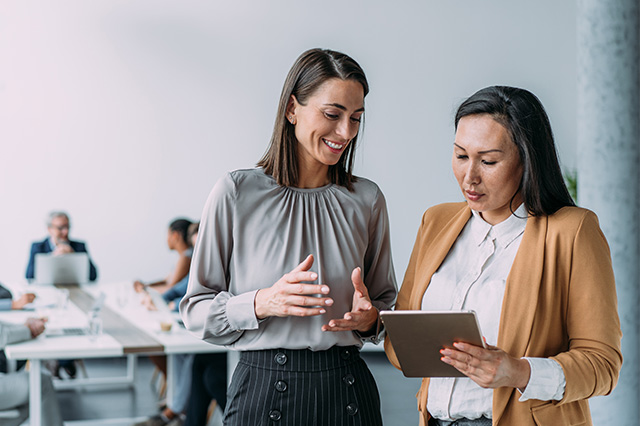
(368, 190)
(39, 246)
(444, 212)
(243, 178)
(571, 219)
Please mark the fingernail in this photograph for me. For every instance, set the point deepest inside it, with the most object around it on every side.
(322, 311)
(329, 302)
(324, 289)
(314, 276)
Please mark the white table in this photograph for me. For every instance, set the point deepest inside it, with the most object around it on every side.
(129, 330)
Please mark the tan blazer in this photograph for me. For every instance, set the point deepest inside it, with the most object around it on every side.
(560, 302)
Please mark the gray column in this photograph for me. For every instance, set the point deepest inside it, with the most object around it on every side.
(608, 177)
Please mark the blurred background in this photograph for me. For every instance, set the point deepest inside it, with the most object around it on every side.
(125, 113)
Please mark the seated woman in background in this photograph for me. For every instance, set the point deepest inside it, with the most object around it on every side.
(182, 373)
(535, 268)
(177, 240)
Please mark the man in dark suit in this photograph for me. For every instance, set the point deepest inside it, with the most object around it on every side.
(58, 243)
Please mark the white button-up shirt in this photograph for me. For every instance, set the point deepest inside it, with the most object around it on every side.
(473, 277)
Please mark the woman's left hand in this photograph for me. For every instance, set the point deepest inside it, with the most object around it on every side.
(489, 368)
(363, 314)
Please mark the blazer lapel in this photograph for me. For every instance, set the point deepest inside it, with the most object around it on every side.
(437, 250)
(520, 300)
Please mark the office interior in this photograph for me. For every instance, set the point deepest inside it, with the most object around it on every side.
(125, 114)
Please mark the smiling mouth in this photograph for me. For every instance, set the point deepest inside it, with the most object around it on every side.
(333, 145)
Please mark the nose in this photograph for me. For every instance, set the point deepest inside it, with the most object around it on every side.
(473, 176)
(347, 129)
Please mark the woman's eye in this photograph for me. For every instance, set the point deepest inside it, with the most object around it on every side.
(331, 116)
(355, 119)
(461, 157)
(489, 163)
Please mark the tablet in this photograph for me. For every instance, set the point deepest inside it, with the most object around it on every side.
(418, 337)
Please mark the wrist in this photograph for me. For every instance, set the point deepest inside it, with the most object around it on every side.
(522, 378)
(371, 325)
(258, 307)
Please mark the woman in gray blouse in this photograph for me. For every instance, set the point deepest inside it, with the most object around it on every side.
(293, 260)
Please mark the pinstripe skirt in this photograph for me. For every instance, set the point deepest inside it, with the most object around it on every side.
(278, 387)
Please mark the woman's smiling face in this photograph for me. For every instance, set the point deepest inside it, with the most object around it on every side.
(326, 124)
(487, 165)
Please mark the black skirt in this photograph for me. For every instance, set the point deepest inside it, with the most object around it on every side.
(278, 387)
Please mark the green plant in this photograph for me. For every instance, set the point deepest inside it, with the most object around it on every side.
(571, 179)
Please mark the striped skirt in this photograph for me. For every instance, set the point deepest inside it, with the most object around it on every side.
(280, 387)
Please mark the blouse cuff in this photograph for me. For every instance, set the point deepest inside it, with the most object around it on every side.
(241, 311)
(547, 380)
(377, 335)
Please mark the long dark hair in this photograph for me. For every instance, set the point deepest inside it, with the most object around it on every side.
(522, 114)
(310, 71)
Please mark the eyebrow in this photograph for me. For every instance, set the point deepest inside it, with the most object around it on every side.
(342, 107)
(480, 152)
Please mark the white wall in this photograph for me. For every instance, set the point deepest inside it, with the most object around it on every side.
(125, 113)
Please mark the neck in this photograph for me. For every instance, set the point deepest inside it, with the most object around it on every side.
(312, 175)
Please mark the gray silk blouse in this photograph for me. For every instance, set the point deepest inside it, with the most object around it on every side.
(253, 231)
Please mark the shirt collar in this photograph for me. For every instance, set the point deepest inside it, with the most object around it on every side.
(504, 232)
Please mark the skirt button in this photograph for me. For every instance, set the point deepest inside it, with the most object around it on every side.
(281, 386)
(352, 409)
(281, 358)
(275, 415)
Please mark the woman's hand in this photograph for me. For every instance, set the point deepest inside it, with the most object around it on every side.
(363, 315)
(489, 368)
(138, 286)
(23, 300)
(289, 297)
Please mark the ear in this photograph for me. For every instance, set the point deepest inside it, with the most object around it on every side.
(291, 109)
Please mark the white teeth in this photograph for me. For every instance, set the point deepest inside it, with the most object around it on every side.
(332, 145)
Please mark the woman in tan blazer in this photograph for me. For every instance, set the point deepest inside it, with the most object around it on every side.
(535, 267)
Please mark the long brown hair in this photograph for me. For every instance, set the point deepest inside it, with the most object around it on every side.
(310, 71)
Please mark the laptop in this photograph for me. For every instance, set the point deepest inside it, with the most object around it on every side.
(72, 268)
(77, 330)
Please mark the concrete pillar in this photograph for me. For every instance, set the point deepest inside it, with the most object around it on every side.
(608, 176)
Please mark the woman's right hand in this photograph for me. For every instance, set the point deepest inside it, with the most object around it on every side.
(289, 297)
(138, 286)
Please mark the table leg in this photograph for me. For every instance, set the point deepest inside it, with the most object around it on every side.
(35, 393)
(171, 365)
(132, 364)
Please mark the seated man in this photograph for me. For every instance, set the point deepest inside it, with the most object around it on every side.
(58, 243)
(14, 387)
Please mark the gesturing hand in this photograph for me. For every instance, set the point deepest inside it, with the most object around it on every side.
(289, 297)
(489, 368)
(362, 316)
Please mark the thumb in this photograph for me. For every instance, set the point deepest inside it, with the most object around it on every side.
(305, 265)
(358, 284)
